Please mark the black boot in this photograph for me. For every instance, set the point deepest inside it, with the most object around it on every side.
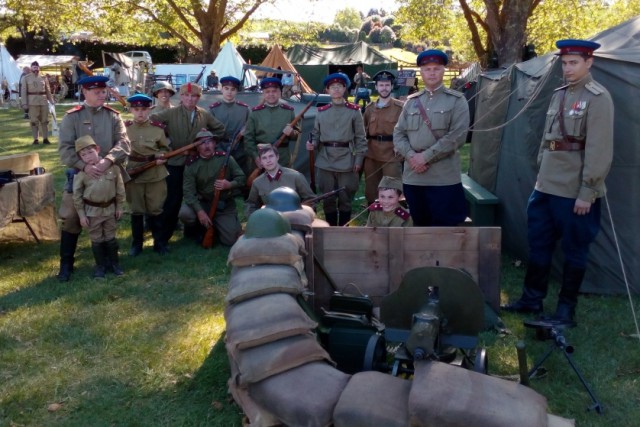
(155, 224)
(137, 234)
(331, 218)
(99, 255)
(68, 244)
(111, 250)
(568, 299)
(345, 217)
(534, 291)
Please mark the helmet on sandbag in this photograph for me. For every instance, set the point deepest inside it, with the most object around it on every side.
(284, 199)
(162, 85)
(266, 222)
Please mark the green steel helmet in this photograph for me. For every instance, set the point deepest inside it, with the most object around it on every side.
(284, 199)
(266, 222)
(162, 85)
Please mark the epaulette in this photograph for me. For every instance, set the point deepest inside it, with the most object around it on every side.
(402, 213)
(128, 123)
(376, 206)
(113, 110)
(191, 160)
(75, 109)
(215, 104)
(242, 103)
(352, 106)
(595, 87)
(416, 94)
(259, 107)
(398, 103)
(286, 107)
(453, 92)
(561, 88)
(219, 153)
(158, 124)
(325, 107)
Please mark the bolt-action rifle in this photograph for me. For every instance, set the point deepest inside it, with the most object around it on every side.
(311, 202)
(152, 161)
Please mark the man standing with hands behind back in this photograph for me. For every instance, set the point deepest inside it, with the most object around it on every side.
(36, 95)
(432, 127)
(574, 157)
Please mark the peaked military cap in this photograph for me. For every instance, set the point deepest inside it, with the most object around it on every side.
(35, 63)
(230, 81)
(204, 134)
(432, 55)
(576, 47)
(336, 78)
(140, 100)
(384, 76)
(84, 142)
(390, 182)
(270, 82)
(93, 82)
(190, 88)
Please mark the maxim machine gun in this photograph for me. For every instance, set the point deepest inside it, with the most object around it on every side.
(435, 314)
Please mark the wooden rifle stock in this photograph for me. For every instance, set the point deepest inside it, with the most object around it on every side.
(312, 167)
(113, 91)
(148, 165)
(209, 235)
(321, 197)
(257, 171)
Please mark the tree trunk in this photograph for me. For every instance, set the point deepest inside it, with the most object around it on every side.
(507, 28)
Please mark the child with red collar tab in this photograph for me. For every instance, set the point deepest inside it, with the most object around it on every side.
(386, 211)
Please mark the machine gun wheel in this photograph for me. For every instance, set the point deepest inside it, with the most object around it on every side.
(477, 360)
(375, 356)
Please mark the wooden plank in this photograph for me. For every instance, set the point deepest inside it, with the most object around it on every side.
(354, 238)
(396, 258)
(356, 261)
(367, 284)
(489, 248)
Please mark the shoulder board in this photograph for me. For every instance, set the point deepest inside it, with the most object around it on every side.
(191, 160)
(561, 88)
(352, 106)
(594, 87)
(415, 95)
(158, 124)
(375, 207)
(75, 109)
(259, 107)
(215, 104)
(113, 110)
(220, 153)
(286, 106)
(398, 103)
(453, 92)
(325, 107)
(242, 103)
(402, 213)
(128, 123)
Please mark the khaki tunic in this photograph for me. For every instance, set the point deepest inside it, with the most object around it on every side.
(379, 218)
(448, 112)
(183, 126)
(35, 90)
(263, 186)
(157, 109)
(265, 125)
(588, 116)
(381, 121)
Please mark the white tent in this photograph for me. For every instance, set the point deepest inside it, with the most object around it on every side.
(9, 69)
(229, 63)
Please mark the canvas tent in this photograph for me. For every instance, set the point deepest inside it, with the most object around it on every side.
(276, 59)
(47, 60)
(315, 63)
(9, 72)
(229, 63)
(514, 102)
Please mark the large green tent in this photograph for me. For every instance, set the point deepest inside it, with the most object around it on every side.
(314, 63)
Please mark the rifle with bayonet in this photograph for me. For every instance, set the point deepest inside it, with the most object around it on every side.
(311, 202)
(153, 160)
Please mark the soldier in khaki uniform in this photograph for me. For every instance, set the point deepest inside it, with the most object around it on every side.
(574, 157)
(268, 121)
(35, 96)
(162, 91)
(105, 126)
(387, 211)
(274, 176)
(380, 118)
(200, 184)
(183, 124)
(147, 191)
(339, 136)
(432, 127)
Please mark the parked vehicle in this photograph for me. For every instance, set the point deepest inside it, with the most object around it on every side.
(140, 57)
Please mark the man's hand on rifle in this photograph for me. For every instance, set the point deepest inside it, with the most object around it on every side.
(287, 130)
(258, 162)
(203, 219)
(310, 146)
(222, 184)
(160, 159)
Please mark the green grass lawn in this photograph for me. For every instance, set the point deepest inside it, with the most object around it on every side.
(146, 349)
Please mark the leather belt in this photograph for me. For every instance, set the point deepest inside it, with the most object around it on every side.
(566, 146)
(36, 93)
(336, 144)
(381, 137)
(99, 204)
(141, 158)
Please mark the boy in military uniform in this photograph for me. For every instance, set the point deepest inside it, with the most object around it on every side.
(575, 157)
(147, 191)
(339, 136)
(35, 95)
(432, 127)
(99, 202)
(201, 181)
(387, 211)
(380, 118)
(274, 176)
(162, 91)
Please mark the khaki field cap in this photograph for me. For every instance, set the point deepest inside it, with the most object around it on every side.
(390, 182)
(84, 142)
(191, 89)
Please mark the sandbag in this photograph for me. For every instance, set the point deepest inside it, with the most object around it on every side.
(258, 363)
(254, 281)
(443, 395)
(302, 397)
(373, 399)
(265, 319)
(286, 249)
(304, 216)
(257, 415)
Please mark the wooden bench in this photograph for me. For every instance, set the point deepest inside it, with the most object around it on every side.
(482, 202)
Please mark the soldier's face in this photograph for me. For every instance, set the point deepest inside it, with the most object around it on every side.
(189, 100)
(95, 97)
(89, 154)
(432, 75)
(271, 95)
(336, 90)
(207, 148)
(229, 93)
(269, 161)
(140, 114)
(575, 67)
(384, 88)
(163, 94)
(388, 199)
(35, 69)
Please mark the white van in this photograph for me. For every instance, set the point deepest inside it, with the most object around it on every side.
(140, 57)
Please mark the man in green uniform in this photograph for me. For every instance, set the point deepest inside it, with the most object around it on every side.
(183, 124)
(432, 127)
(380, 118)
(274, 176)
(147, 191)
(339, 136)
(575, 157)
(105, 126)
(35, 96)
(268, 121)
(201, 181)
